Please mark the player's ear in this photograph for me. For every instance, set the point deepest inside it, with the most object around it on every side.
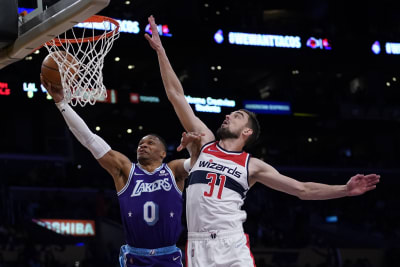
(247, 131)
(163, 154)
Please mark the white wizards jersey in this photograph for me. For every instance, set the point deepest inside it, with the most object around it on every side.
(218, 183)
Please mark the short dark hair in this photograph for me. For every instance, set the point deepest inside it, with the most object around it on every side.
(254, 125)
(162, 140)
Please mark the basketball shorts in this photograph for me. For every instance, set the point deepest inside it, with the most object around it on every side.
(161, 257)
(219, 249)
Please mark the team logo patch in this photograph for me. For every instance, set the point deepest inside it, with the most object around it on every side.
(163, 173)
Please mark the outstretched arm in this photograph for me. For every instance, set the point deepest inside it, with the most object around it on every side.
(192, 142)
(114, 162)
(263, 173)
(181, 167)
(174, 89)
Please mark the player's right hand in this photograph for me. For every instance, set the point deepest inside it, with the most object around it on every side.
(189, 138)
(56, 91)
(154, 40)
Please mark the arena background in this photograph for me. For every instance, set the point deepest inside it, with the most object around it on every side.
(344, 116)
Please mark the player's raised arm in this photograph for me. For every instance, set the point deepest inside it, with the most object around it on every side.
(174, 89)
(181, 167)
(114, 162)
(267, 175)
(192, 142)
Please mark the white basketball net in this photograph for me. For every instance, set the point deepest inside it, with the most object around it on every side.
(82, 79)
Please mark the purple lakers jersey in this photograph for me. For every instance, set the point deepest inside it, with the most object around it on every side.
(151, 208)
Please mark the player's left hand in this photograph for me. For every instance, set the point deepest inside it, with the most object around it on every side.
(189, 137)
(154, 40)
(360, 183)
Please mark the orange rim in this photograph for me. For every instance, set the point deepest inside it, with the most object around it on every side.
(95, 19)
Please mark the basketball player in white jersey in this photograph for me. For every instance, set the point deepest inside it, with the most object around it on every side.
(222, 175)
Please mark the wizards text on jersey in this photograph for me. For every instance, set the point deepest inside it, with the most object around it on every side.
(220, 167)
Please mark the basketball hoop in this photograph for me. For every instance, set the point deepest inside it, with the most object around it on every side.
(83, 82)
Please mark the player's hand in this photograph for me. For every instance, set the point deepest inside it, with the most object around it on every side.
(189, 138)
(154, 40)
(360, 183)
(56, 91)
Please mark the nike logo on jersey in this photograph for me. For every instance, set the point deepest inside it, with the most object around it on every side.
(141, 187)
(220, 167)
(175, 258)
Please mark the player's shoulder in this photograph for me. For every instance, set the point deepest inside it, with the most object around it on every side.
(254, 162)
(257, 165)
(173, 164)
(177, 168)
(258, 162)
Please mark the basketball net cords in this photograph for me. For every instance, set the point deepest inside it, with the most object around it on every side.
(83, 81)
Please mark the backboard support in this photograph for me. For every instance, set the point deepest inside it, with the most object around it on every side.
(46, 25)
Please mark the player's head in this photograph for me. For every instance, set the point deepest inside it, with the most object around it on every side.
(151, 147)
(240, 124)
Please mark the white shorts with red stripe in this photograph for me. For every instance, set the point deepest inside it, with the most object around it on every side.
(219, 249)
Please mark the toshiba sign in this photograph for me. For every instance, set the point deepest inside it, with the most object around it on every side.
(68, 227)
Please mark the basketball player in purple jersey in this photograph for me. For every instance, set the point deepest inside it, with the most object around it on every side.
(149, 192)
(222, 175)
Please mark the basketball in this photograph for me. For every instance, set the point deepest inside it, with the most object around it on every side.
(50, 70)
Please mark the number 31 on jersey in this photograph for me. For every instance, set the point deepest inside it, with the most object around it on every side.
(214, 177)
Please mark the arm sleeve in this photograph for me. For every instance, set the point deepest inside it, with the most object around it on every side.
(94, 143)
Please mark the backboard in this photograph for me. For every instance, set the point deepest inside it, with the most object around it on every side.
(40, 26)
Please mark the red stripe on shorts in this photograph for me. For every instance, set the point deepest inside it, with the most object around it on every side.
(248, 245)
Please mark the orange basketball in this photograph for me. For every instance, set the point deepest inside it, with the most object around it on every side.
(50, 71)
